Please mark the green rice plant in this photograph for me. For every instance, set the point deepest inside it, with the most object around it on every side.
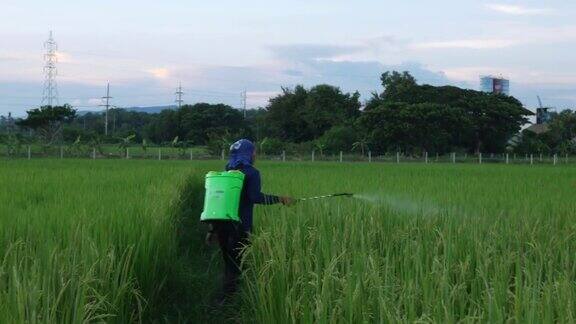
(119, 241)
(92, 241)
(427, 243)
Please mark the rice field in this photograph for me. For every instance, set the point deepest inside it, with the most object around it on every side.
(119, 241)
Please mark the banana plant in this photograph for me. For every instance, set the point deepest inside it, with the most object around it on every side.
(96, 143)
(125, 143)
(320, 146)
(263, 144)
(362, 145)
(76, 146)
(180, 145)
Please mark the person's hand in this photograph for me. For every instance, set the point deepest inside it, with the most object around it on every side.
(211, 238)
(287, 201)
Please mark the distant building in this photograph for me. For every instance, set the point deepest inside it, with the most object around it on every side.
(542, 116)
(495, 85)
(538, 128)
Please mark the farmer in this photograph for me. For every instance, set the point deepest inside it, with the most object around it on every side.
(232, 236)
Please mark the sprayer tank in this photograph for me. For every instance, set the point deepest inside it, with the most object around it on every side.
(222, 199)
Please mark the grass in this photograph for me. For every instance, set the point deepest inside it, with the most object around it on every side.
(119, 241)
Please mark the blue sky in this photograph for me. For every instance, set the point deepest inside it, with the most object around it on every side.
(217, 49)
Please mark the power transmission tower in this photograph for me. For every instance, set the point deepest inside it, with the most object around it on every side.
(243, 94)
(179, 94)
(107, 105)
(50, 92)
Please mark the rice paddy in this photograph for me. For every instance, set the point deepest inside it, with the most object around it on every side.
(120, 241)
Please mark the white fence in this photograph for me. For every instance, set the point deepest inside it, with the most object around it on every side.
(167, 153)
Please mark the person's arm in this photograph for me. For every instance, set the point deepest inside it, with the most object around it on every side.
(254, 191)
(255, 195)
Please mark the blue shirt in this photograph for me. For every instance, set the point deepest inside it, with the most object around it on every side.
(252, 194)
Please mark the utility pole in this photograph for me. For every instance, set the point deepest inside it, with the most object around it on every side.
(243, 94)
(107, 105)
(9, 123)
(179, 94)
(50, 92)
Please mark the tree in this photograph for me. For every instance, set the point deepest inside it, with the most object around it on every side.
(396, 83)
(302, 115)
(196, 122)
(412, 128)
(485, 122)
(47, 121)
(559, 138)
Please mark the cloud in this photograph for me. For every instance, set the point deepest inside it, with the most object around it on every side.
(303, 52)
(517, 10)
(487, 43)
(159, 73)
(510, 36)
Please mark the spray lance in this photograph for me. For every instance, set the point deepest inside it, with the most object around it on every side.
(327, 196)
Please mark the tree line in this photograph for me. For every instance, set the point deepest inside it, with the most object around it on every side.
(403, 117)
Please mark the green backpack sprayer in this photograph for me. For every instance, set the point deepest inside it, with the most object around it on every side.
(222, 199)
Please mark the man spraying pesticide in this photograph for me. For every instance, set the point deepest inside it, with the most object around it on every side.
(229, 205)
(228, 208)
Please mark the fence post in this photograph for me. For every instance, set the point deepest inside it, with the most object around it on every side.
(222, 154)
(93, 153)
(397, 157)
(191, 155)
(61, 152)
(127, 153)
(566, 158)
(369, 156)
(313, 155)
(426, 157)
(531, 158)
(540, 157)
(159, 154)
(555, 159)
(480, 158)
(340, 156)
(29, 152)
(507, 158)
(283, 156)
(453, 157)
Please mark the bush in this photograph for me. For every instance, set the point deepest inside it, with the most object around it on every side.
(338, 138)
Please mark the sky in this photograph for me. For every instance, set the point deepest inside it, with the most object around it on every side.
(217, 49)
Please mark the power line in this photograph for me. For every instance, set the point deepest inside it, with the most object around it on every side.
(50, 92)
